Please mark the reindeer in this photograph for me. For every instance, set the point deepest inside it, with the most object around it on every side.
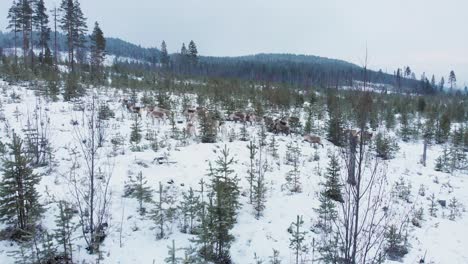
(237, 116)
(155, 114)
(131, 107)
(351, 132)
(165, 111)
(190, 114)
(191, 130)
(358, 135)
(250, 117)
(366, 136)
(313, 139)
(281, 126)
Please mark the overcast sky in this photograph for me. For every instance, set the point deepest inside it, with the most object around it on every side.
(428, 35)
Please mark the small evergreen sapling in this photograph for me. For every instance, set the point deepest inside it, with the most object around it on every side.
(259, 188)
(296, 242)
(395, 246)
(433, 206)
(64, 231)
(135, 135)
(172, 258)
(251, 171)
(332, 180)
(190, 209)
(160, 214)
(138, 188)
(19, 199)
(275, 259)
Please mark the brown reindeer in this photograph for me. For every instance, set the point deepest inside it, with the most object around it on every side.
(366, 135)
(191, 130)
(165, 111)
(131, 107)
(251, 118)
(351, 132)
(237, 116)
(313, 139)
(281, 126)
(155, 114)
(190, 114)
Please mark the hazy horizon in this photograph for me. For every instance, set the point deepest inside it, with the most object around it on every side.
(428, 35)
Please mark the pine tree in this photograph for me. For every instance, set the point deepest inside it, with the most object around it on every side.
(41, 24)
(191, 256)
(64, 231)
(138, 188)
(405, 130)
(161, 214)
(262, 136)
(183, 50)
(184, 53)
(164, 55)
(326, 213)
(274, 259)
(452, 80)
(442, 128)
(428, 129)
(433, 82)
(433, 206)
(259, 189)
(297, 238)
(73, 88)
(327, 246)
(251, 171)
(25, 16)
(19, 199)
(48, 252)
(221, 211)
(14, 24)
(73, 23)
(273, 147)
(441, 84)
(389, 118)
(308, 124)
(335, 128)
(208, 132)
(193, 53)
(385, 146)
(454, 207)
(98, 53)
(53, 84)
(395, 248)
(135, 135)
(190, 208)
(443, 161)
(171, 258)
(293, 176)
(332, 180)
(244, 135)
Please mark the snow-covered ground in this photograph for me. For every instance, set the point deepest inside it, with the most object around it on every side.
(440, 239)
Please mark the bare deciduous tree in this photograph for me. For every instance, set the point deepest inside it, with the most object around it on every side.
(90, 183)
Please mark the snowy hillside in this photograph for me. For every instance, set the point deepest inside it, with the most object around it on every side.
(182, 164)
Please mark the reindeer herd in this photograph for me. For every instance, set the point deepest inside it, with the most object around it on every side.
(216, 120)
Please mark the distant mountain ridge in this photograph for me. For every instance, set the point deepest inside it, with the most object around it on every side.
(114, 46)
(292, 69)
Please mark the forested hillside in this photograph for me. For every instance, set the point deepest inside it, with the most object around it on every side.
(287, 69)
